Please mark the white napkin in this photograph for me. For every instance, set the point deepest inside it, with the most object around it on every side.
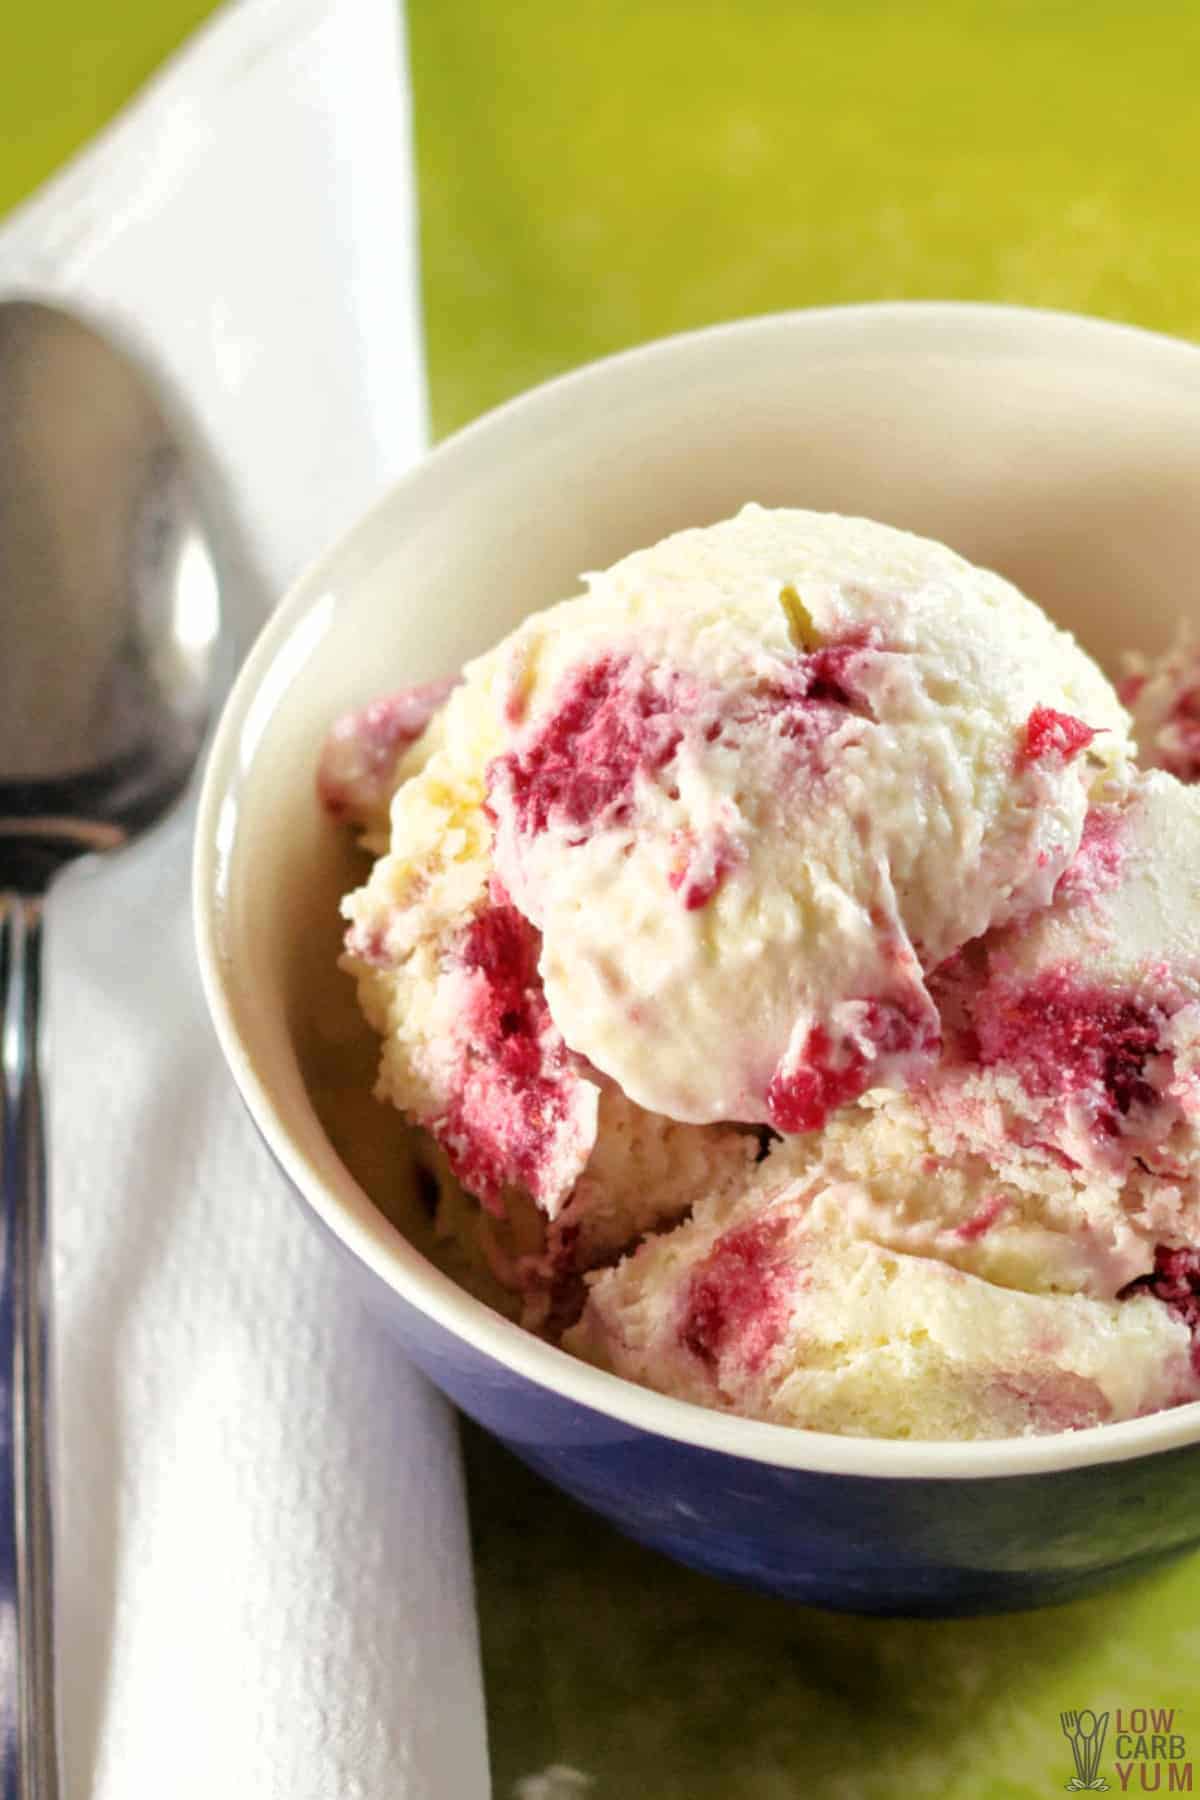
(263, 1571)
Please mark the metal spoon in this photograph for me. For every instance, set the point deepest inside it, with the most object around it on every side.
(108, 627)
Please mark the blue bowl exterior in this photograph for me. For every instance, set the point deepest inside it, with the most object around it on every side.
(907, 1547)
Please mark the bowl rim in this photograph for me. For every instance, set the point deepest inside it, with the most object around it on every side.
(343, 1207)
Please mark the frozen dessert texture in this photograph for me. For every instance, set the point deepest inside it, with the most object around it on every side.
(645, 1174)
(796, 982)
(362, 757)
(813, 1299)
(1163, 694)
(1073, 1037)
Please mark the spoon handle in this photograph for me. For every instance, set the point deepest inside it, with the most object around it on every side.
(28, 1727)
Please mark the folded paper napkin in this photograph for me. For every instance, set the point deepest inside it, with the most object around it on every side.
(264, 1583)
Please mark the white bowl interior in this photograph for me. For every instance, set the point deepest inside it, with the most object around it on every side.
(1064, 452)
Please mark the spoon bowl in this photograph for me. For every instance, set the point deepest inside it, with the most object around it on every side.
(109, 617)
(108, 593)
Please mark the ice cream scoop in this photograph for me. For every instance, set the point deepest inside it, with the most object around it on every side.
(759, 780)
(740, 796)
(786, 1303)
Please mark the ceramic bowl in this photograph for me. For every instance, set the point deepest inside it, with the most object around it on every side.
(1064, 452)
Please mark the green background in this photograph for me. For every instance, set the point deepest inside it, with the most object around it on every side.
(591, 176)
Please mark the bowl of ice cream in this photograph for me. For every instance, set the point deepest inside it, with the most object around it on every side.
(743, 1033)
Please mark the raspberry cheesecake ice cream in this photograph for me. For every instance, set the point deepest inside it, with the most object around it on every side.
(758, 780)
(696, 942)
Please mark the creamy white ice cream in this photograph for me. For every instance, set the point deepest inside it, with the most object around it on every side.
(813, 1300)
(762, 777)
(800, 822)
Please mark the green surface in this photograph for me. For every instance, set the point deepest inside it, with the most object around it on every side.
(661, 1684)
(592, 176)
(595, 175)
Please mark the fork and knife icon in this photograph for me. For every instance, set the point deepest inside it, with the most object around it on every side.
(1085, 1732)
